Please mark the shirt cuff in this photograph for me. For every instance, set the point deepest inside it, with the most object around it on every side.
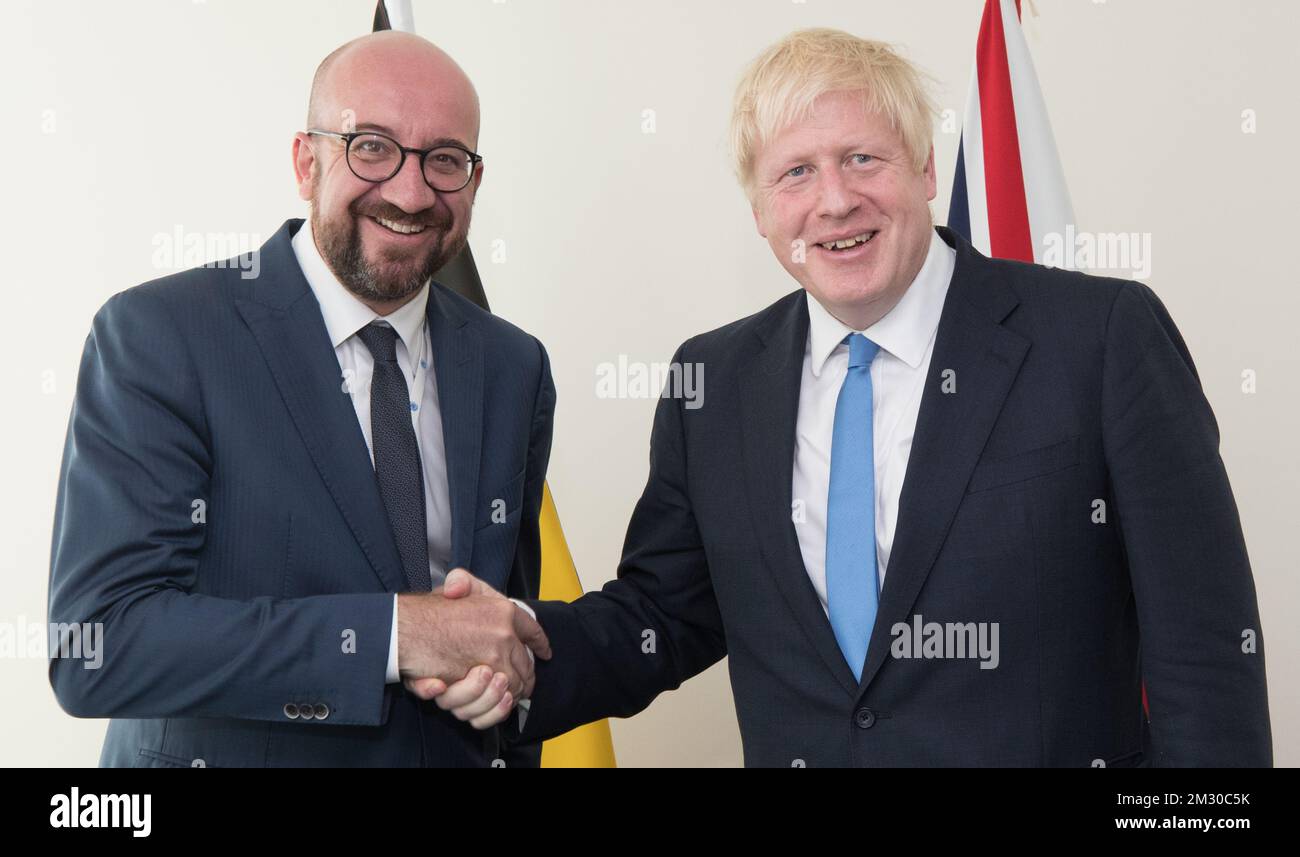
(392, 676)
(522, 709)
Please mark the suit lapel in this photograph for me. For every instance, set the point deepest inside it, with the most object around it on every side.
(458, 366)
(951, 431)
(769, 400)
(286, 320)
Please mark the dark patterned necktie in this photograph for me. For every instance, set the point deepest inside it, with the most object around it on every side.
(397, 457)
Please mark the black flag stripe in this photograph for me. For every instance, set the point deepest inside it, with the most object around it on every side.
(460, 274)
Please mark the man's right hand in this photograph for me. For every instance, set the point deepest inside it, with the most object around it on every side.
(445, 638)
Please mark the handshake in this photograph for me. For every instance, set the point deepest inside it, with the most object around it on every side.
(469, 648)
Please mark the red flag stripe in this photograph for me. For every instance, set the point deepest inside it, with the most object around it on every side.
(1009, 235)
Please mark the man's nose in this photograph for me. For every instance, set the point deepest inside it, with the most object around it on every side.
(408, 190)
(835, 198)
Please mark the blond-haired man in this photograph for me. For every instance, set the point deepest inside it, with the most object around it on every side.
(934, 500)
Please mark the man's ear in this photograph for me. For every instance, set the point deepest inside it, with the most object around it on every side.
(478, 177)
(304, 161)
(931, 186)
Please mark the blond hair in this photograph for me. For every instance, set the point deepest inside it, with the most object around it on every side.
(781, 84)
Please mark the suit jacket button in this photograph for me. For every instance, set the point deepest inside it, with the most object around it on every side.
(291, 711)
(322, 711)
(865, 718)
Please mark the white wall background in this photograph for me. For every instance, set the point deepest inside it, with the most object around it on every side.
(124, 120)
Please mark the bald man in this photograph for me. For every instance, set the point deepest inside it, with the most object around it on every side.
(266, 481)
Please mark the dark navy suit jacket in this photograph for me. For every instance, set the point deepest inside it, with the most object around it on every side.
(219, 514)
(1069, 390)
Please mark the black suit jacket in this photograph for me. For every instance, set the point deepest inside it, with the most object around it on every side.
(1070, 391)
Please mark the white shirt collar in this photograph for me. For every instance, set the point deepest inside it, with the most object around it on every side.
(906, 330)
(344, 313)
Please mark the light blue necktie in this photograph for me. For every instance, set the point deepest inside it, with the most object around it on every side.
(851, 510)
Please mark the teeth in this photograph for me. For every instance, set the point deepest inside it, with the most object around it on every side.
(846, 243)
(404, 228)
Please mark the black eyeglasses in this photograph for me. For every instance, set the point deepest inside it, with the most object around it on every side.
(377, 158)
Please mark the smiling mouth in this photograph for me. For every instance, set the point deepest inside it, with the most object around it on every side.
(399, 228)
(849, 243)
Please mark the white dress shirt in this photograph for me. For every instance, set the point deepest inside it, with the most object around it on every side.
(345, 315)
(906, 339)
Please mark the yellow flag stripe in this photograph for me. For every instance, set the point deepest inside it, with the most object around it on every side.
(589, 746)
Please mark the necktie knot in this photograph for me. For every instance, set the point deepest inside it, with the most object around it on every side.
(381, 340)
(861, 350)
